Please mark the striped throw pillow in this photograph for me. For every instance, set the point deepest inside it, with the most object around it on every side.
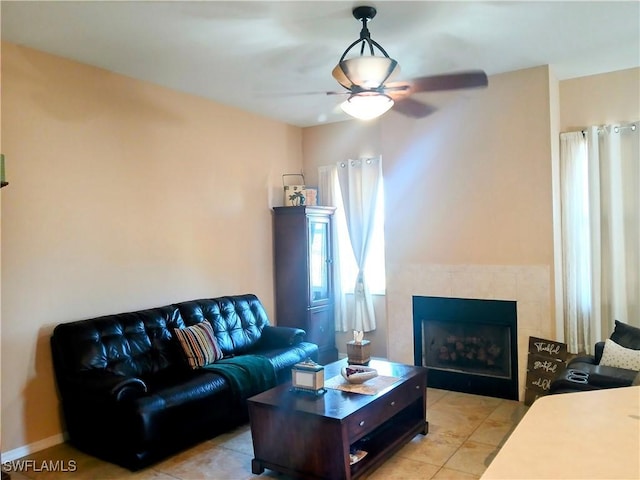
(198, 344)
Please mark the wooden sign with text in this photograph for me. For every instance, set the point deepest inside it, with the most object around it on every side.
(548, 348)
(545, 360)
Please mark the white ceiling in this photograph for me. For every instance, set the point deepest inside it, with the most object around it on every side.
(266, 56)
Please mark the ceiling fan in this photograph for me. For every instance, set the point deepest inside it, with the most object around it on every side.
(367, 79)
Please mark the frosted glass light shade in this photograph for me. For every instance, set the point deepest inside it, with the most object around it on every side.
(367, 72)
(366, 106)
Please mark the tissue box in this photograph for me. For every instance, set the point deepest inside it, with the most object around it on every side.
(307, 376)
(359, 353)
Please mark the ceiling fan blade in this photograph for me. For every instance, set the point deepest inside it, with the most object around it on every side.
(297, 94)
(451, 81)
(413, 108)
(396, 87)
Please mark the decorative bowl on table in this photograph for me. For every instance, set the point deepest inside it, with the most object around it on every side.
(358, 373)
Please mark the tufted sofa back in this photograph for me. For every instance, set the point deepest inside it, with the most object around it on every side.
(237, 321)
(141, 343)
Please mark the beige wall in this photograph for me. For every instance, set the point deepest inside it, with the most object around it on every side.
(327, 144)
(554, 135)
(1, 268)
(600, 99)
(469, 184)
(123, 195)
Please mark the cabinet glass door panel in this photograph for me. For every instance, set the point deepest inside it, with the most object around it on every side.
(318, 260)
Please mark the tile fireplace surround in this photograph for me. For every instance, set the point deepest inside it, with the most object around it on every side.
(528, 285)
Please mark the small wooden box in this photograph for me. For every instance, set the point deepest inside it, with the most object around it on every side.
(308, 376)
(359, 353)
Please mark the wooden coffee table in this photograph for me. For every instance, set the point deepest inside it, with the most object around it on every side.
(305, 436)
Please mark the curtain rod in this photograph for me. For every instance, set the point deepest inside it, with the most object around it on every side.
(616, 129)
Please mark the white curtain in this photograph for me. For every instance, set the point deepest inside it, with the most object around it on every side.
(576, 250)
(600, 195)
(359, 183)
(618, 151)
(329, 195)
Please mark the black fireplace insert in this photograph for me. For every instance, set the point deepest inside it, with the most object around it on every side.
(467, 345)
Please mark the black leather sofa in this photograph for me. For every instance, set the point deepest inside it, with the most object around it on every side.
(585, 373)
(127, 393)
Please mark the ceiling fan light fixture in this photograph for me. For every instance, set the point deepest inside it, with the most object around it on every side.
(367, 72)
(366, 78)
(367, 105)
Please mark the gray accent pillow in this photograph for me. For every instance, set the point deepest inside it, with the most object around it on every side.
(626, 336)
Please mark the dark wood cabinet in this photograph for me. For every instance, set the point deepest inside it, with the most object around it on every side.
(303, 273)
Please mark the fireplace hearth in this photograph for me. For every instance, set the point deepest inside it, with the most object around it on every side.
(467, 345)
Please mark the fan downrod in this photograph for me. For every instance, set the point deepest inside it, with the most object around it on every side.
(364, 13)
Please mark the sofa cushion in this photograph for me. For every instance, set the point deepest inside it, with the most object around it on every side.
(237, 321)
(626, 336)
(198, 344)
(128, 344)
(176, 386)
(177, 398)
(615, 355)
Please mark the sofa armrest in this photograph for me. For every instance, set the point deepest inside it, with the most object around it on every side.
(599, 350)
(280, 337)
(99, 383)
(579, 361)
(610, 377)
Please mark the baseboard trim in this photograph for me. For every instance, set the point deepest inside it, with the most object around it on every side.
(20, 452)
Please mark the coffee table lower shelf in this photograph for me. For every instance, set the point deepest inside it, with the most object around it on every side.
(312, 438)
(385, 444)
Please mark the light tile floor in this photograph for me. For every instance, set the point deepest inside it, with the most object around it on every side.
(465, 433)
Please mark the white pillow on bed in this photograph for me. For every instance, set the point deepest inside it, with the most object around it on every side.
(615, 355)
